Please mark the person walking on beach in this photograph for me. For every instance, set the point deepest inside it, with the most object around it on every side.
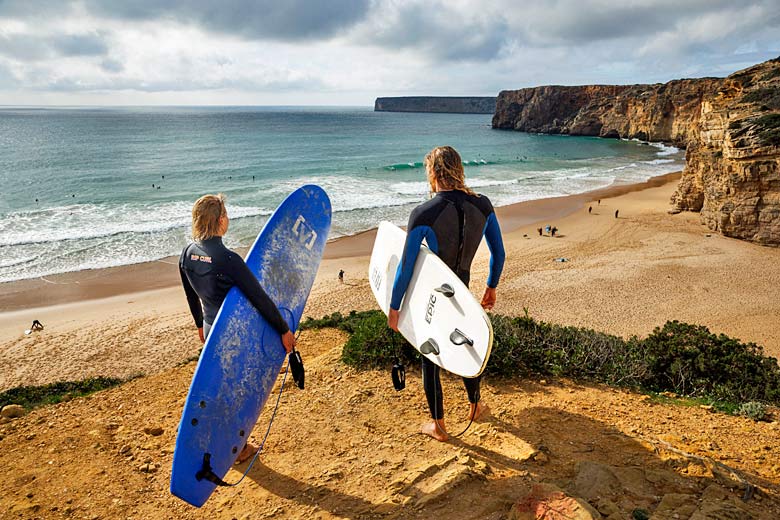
(209, 270)
(452, 224)
(341, 275)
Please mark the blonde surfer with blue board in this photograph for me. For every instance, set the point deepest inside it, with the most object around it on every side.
(209, 270)
(250, 334)
(452, 223)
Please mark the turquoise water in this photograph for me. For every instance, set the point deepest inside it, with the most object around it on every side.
(87, 188)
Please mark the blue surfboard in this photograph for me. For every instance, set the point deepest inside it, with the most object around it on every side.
(243, 354)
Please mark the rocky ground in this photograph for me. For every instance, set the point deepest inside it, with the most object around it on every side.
(347, 447)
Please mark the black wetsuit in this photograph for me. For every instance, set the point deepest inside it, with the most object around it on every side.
(209, 270)
(452, 224)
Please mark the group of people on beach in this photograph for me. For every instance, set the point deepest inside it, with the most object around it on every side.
(452, 223)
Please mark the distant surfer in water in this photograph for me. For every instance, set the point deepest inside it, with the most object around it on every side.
(209, 270)
(452, 224)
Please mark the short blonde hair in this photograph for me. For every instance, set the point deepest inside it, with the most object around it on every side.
(444, 166)
(206, 213)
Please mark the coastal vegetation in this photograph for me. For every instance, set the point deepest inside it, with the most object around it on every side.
(33, 396)
(679, 362)
(680, 359)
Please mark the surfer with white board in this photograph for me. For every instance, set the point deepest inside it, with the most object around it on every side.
(209, 270)
(452, 224)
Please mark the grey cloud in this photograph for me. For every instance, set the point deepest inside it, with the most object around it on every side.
(80, 44)
(7, 79)
(111, 65)
(33, 8)
(287, 20)
(440, 32)
(75, 84)
(25, 47)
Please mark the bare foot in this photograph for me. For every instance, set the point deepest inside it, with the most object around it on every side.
(478, 412)
(435, 429)
(247, 453)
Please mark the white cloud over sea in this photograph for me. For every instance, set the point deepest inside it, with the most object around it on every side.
(351, 51)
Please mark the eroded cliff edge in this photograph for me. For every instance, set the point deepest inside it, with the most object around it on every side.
(729, 126)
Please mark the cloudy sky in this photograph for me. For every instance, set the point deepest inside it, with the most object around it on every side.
(347, 52)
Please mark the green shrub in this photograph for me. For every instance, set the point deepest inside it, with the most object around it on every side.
(373, 345)
(523, 346)
(691, 361)
(33, 396)
(753, 410)
(685, 359)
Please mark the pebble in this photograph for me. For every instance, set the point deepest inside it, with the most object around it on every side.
(155, 431)
(147, 468)
(12, 411)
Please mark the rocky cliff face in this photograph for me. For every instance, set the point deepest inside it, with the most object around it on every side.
(458, 105)
(730, 128)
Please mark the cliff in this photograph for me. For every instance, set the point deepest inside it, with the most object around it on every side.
(730, 128)
(459, 105)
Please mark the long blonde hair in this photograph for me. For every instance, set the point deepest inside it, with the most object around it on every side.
(445, 170)
(206, 213)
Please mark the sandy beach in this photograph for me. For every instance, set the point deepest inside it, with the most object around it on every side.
(622, 275)
(353, 456)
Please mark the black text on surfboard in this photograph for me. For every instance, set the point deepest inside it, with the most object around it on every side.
(431, 306)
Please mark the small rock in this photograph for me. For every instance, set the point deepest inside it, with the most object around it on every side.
(124, 449)
(155, 431)
(12, 411)
(541, 458)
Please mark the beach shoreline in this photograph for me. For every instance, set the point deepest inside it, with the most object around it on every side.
(94, 284)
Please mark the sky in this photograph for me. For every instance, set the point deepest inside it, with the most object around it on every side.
(348, 52)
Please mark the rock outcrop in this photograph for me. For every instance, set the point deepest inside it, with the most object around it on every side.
(730, 128)
(456, 105)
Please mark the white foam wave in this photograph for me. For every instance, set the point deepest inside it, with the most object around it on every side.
(659, 161)
(665, 149)
(88, 221)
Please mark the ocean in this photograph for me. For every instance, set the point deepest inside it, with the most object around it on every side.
(86, 188)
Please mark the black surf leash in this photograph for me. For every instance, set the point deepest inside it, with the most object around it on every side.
(294, 363)
(398, 372)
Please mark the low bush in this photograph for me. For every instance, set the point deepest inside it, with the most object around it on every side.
(34, 396)
(685, 359)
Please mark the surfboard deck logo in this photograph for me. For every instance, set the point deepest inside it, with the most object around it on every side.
(243, 355)
(439, 316)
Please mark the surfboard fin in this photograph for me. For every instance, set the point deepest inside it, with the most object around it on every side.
(296, 366)
(458, 338)
(430, 347)
(207, 473)
(446, 289)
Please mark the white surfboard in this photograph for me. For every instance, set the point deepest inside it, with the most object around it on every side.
(439, 316)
